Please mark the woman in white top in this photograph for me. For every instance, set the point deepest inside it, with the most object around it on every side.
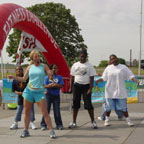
(115, 90)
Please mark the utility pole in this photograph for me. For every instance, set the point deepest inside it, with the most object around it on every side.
(130, 57)
(139, 70)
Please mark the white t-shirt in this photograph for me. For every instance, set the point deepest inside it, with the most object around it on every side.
(115, 77)
(82, 72)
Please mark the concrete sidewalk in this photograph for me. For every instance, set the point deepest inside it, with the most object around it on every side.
(117, 133)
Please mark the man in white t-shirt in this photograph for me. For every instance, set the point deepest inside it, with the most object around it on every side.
(82, 73)
(115, 90)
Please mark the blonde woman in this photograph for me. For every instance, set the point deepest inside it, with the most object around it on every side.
(34, 92)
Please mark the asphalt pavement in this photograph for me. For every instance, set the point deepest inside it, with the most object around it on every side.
(117, 133)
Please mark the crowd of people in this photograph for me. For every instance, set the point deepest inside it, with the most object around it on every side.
(41, 84)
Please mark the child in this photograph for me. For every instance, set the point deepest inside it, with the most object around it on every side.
(18, 87)
(53, 85)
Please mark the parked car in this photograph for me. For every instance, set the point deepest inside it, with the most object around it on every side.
(142, 64)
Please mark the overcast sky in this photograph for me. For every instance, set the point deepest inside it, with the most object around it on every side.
(107, 26)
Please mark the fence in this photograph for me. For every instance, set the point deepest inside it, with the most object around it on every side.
(66, 97)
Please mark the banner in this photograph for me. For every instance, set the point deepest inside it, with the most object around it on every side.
(27, 44)
(98, 91)
(8, 95)
(16, 16)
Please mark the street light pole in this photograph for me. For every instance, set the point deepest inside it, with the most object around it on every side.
(139, 70)
(130, 57)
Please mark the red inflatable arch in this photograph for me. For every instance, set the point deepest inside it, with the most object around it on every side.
(15, 16)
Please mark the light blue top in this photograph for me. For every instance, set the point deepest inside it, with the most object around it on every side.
(36, 76)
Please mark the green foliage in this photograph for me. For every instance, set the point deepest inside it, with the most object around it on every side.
(61, 24)
(122, 61)
(103, 63)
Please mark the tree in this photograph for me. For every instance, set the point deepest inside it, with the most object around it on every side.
(61, 24)
(103, 63)
(122, 61)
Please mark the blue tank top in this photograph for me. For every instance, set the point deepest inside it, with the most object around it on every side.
(36, 76)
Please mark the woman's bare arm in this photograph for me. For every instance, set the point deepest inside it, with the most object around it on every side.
(21, 79)
(48, 71)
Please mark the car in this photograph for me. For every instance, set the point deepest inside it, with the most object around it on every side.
(142, 64)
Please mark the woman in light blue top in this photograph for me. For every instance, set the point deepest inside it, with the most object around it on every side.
(34, 92)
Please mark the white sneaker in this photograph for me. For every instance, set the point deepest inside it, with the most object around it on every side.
(52, 134)
(32, 126)
(43, 128)
(107, 123)
(72, 125)
(25, 133)
(130, 123)
(14, 126)
(94, 125)
(100, 118)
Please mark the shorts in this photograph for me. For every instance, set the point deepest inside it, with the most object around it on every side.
(79, 90)
(33, 95)
(116, 104)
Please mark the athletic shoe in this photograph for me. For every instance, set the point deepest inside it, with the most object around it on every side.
(43, 128)
(24, 134)
(32, 126)
(72, 125)
(14, 126)
(107, 123)
(60, 127)
(120, 118)
(94, 125)
(100, 118)
(52, 134)
(129, 123)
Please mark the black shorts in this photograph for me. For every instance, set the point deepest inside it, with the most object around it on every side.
(78, 90)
